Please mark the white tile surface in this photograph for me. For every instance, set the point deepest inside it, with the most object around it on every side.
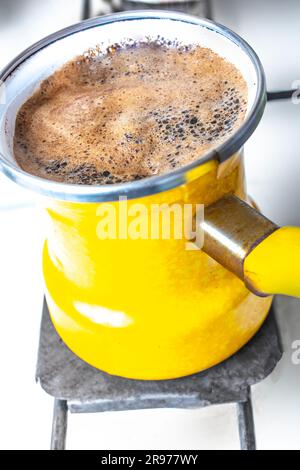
(272, 28)
(273, 162)
(274, 180)
(209, 428)
(25, 22)
(276, 400)
(26, 409)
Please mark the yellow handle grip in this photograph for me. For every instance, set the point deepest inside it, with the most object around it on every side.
(273, 266)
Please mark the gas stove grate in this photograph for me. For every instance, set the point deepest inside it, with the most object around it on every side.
(201, 8)
(79, 388)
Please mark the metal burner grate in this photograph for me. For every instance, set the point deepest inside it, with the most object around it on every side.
(80, 388)
(201, 8)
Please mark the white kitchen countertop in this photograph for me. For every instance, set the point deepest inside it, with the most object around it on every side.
(273, 174)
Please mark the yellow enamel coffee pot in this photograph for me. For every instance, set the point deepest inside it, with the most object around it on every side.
(148, 307)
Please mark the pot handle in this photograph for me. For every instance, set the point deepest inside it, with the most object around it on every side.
(266, 257)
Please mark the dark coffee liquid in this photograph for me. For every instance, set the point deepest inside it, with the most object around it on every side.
(131, 113)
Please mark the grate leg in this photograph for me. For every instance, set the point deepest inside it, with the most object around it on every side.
(246, 424)
(59, 425)
(208, 9)
(86, 10)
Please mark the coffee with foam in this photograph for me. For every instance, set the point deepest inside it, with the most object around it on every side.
(133, 112)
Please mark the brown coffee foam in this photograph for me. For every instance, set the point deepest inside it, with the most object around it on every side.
(131, 113)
